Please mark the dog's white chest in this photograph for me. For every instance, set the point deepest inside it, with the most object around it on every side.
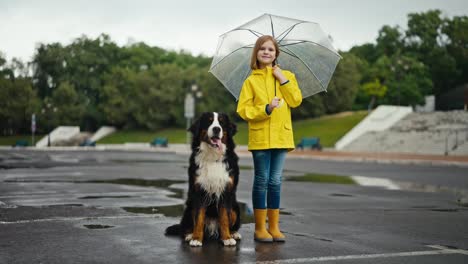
(212, 175)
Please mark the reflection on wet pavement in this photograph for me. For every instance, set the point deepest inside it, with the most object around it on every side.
(178, 209)
(98, 226)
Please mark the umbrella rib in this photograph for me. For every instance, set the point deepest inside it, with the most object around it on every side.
(307, 66)
(272, 29)
(243, 47)
(255, 33)
(288, 30)
(290, 54)
(307, 41)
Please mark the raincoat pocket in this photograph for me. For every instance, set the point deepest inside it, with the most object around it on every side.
(286, 132)
(256, 132)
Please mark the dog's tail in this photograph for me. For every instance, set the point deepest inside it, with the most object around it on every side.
(174, 230)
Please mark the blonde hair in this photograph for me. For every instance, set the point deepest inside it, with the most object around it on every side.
(258, 44)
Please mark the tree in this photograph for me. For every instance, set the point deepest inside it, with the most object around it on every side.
(408, 81)
(423, 33)
(456, 31)
(114, 97)
(157, 96)
(374, 90)
(18, 102)
(70, 106)
(389, 41)
(366, 52)
(428, 44)
(344, 84)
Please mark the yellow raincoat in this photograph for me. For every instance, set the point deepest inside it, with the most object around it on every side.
(274, 130)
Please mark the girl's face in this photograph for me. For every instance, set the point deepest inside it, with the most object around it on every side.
(266, 54)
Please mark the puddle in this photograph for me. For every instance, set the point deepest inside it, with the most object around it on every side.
(424, 207)
(104, 197)
(445, 210)
(126, 161)
(162, 183)
(308, 235)
(178, 210)
(282, 212)
(341, 195)
(98, 226)
(240, 167)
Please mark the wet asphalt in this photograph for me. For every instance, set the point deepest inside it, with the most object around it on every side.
(113, 207)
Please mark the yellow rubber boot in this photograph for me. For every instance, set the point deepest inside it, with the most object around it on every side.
(261, 234)
(273, 225)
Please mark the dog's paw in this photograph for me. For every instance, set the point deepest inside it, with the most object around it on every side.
(188, 237)
(229, 242)
(236, 236)
(195, 243)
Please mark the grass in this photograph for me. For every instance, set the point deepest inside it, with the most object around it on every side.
(328, 128)
(174, 135)
(323, 178)
(11, 140)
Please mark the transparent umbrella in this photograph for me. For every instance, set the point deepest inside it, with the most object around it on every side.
(305, 50)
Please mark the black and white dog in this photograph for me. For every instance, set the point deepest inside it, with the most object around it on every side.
(211, 209)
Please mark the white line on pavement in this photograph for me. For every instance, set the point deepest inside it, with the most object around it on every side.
(440, 250)
(75, 219)
(377, 182)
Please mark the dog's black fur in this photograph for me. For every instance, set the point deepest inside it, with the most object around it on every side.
(212, 148)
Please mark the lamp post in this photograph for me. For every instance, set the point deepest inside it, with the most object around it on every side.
(397, 71)
(47, 110)
(190, 105)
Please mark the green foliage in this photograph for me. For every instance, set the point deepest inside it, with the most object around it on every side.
(94, 82)
(374, 88)
(366, 52)
(389, 41)
(344, 85)
(69, 105)
(456, 31)
(430, 57)
(18, 102)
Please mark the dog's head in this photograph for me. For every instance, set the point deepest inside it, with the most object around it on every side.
(214, 129)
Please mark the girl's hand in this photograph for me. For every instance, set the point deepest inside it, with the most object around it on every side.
(279, 74)
(274, 103)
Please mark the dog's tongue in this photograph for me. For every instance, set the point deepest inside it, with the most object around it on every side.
(217, 142)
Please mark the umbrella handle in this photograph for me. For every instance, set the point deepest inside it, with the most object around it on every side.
(281, 102)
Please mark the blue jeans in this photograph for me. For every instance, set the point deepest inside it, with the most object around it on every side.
(268, 167)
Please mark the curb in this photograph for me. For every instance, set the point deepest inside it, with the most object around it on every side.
(242, 151)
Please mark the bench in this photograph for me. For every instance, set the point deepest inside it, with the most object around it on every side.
(312, 142)
(88, 143)
(162, 142)
(21, 143)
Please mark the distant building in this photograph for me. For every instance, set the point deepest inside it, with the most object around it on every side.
(429, 104)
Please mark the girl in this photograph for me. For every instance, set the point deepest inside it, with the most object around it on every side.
(264, 102)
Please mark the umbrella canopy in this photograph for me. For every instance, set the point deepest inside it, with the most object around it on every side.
(305, 50)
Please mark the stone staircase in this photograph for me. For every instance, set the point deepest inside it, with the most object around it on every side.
(440, 133)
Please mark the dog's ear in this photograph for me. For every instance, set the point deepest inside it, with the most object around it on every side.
(231, 125)
(232, 128)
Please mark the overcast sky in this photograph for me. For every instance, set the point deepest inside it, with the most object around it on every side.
(194, 25)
